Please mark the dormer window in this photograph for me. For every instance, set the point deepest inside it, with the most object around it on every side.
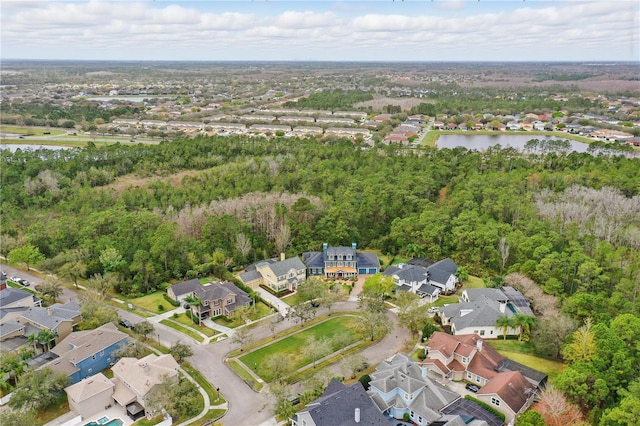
(465, 360)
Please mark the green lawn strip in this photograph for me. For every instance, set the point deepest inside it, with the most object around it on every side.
(31, 131)
(512, 345)
(184, 319)
(244, 375)
(54, 411)
(215, 398)
(144, 422)
(184, 330)
(260, 311)
(290, 346)
(150, 302)
(21, 287)
(213, 414)
(547, 366)
(474, 282)
(445, 300)
(292, 299)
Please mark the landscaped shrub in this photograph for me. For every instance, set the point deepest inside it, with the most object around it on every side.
(406, 417)
(160, 307)
(486, 407)
(170, 300)
(365, 381)
(193, 318)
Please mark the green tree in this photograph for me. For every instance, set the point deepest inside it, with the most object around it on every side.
(111, 260)
(38, 389)
(95, 312)
(505, 323)
(627, 413)
(144, 328)
(375, 325)
(194, 302)
(316, 348)
(27, 254)
(102, 284)
(410, 312)
(582, 346)
(278, 367)
(45, 336)
(75, 266)
(11, 417)
(51, 288)
(180, 351)
(530, 418)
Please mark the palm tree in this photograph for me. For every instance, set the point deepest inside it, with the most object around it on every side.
(524, 323)
(45, 337)
(32, 339)
(193, 300)
(504, 322)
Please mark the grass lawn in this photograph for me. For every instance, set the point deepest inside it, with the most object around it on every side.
(522, 352)
(182, 329)
(184, 319)
(150, 302)
(212, 414)
(292, 299)
(235, 366)
(31, 131)
(474, 282)
(56, 409)
(432, 136)
(290, 346)
(445, 300)
(144, 422)
(261, 311)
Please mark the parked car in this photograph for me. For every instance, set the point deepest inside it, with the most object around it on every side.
(472, 388)
(433, 310)
(15, 279)
(3, 275)
(186, 305)
(126, 323)
(24, 282)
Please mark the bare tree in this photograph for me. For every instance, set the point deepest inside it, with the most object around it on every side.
(504, 250)
(556, 410)
(242, 337)
(282, 237)
(243, 244)
(316, 348)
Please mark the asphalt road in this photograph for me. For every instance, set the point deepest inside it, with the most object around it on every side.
(246, 407)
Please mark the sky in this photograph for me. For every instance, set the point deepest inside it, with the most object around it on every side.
(348, 30)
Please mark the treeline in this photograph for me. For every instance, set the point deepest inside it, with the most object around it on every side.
(47, 113)
(333, 100)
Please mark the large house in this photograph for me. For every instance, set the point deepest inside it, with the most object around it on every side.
(511, 297)
(340, 262)
(479, 317)
(22, 318)
(84, 353)
(282, 275)
(341, 405)
(401, 386)
(90, 396)
(215, 299)
(425, 278)
(466, 357)
(135, 379)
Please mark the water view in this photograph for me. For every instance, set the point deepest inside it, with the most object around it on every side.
(482, 142)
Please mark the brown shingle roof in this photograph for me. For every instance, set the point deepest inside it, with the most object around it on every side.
(511, 387)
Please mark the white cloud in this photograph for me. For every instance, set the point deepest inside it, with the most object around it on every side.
(591, 30)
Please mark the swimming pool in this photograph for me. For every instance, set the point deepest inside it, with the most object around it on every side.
(104, 421)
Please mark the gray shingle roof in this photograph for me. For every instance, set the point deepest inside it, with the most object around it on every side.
(11, 295)
(281, 268)
(249, 276)
(368, 260)
(10, 327)
(313, 259)
(48, 317)
(482, 313)
(186, 287)
(338, 408)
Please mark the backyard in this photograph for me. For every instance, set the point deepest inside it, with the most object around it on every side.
(522, 352)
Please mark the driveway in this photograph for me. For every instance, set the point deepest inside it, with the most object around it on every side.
(282, 307)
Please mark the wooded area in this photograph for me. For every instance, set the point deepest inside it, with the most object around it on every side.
(156, 213)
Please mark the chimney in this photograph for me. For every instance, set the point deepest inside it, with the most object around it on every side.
(145, 367)
(282, 257)
(49, 311)
(502, 307)
(354, 246)
(479, 345)
(357, 415)
(325, 246)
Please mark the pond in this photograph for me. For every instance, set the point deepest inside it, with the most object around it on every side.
(14, 147)
(482, 142)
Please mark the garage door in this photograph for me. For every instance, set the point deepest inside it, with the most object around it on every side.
(362, 270)
(373, 271)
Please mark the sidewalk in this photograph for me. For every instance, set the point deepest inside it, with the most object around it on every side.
(282, 307)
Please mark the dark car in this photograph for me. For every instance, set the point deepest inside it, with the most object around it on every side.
(24, 282)
(126, 323)
(3, 275)
(471, 387)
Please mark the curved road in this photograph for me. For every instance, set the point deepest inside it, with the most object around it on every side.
(246, 407)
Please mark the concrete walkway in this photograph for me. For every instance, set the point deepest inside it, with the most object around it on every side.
(281, 306)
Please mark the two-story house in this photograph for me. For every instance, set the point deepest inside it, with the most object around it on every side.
(135, 379)
(215, 299)
(282, 275)
(467, 357)
(84, 353)
(340, 262)
(401, 386)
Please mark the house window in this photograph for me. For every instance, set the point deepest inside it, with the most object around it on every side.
(477, 379)
(465, 360)
(229, 301)
(482, 332)
(419, 419)
(495, 402)
(304, 422)
(93, 356)
(102, 353)
(490, 331)
(408, 396)
(217, 302)
(411, 413)
(469, 376)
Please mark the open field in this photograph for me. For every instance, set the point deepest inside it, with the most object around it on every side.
(31, 131)
(289, 347)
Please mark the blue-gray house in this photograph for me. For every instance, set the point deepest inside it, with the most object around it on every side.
(340, 262)
(85, 353)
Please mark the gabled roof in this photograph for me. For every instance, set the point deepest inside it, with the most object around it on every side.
(80, 345)
(338, 408)
(281, 268)
(442, 270)
(218, 291)
(537, 378)
(341, 251)
(89, 387)
(11, 295)
(313, 259)
(186, 287)
(481, 313)
(412, 273)
(249, 276)
(495, 294)
(50, 317)
(368, 260)
(511, 387)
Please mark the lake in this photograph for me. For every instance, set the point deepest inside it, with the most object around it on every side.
(482, 142)
(14, 147)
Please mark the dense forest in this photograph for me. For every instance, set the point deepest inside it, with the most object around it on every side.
(155, 213)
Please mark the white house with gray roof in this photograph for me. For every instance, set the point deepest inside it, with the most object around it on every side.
(478, 317)
(282, 275)
(425, 281)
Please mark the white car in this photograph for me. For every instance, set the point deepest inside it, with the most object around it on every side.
(15, 279)
(433, 310)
